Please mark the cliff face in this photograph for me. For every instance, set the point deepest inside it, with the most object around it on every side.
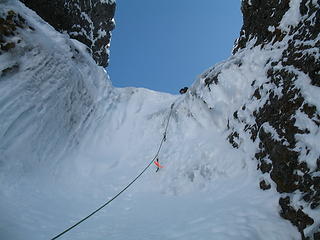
(285, 125)
(89, 22)
(296, 23)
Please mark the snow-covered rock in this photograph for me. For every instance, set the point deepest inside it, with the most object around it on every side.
(279, 69)
(90, 22)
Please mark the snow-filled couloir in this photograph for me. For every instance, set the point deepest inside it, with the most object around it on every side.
(69, 141)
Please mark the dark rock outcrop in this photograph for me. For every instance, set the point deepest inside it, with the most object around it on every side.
(9, 38)
(297, 217)
(89, 22)
(258, 15)
(264, 185)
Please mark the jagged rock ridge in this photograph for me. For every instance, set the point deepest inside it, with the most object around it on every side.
(90, 22)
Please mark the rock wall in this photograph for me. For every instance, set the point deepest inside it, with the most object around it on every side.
(90, 22)
(292, 163)
(286, 123)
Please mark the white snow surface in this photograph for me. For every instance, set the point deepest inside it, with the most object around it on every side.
(292, 17)
(69, 141)
(107, 1)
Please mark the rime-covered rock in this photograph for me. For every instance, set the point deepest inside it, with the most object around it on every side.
(90, 22)
(281, 114)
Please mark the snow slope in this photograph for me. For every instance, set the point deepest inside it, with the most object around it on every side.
(70, 141)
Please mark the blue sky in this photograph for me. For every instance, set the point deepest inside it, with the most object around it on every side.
(164, 45)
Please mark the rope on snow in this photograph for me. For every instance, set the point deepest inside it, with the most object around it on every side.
(117, 195)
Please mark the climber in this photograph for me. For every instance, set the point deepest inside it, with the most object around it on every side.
(156, 162)
(183, 90)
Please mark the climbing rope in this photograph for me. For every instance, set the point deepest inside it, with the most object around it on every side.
(117, 195)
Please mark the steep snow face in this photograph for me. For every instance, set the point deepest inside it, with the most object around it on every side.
(49, 89)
